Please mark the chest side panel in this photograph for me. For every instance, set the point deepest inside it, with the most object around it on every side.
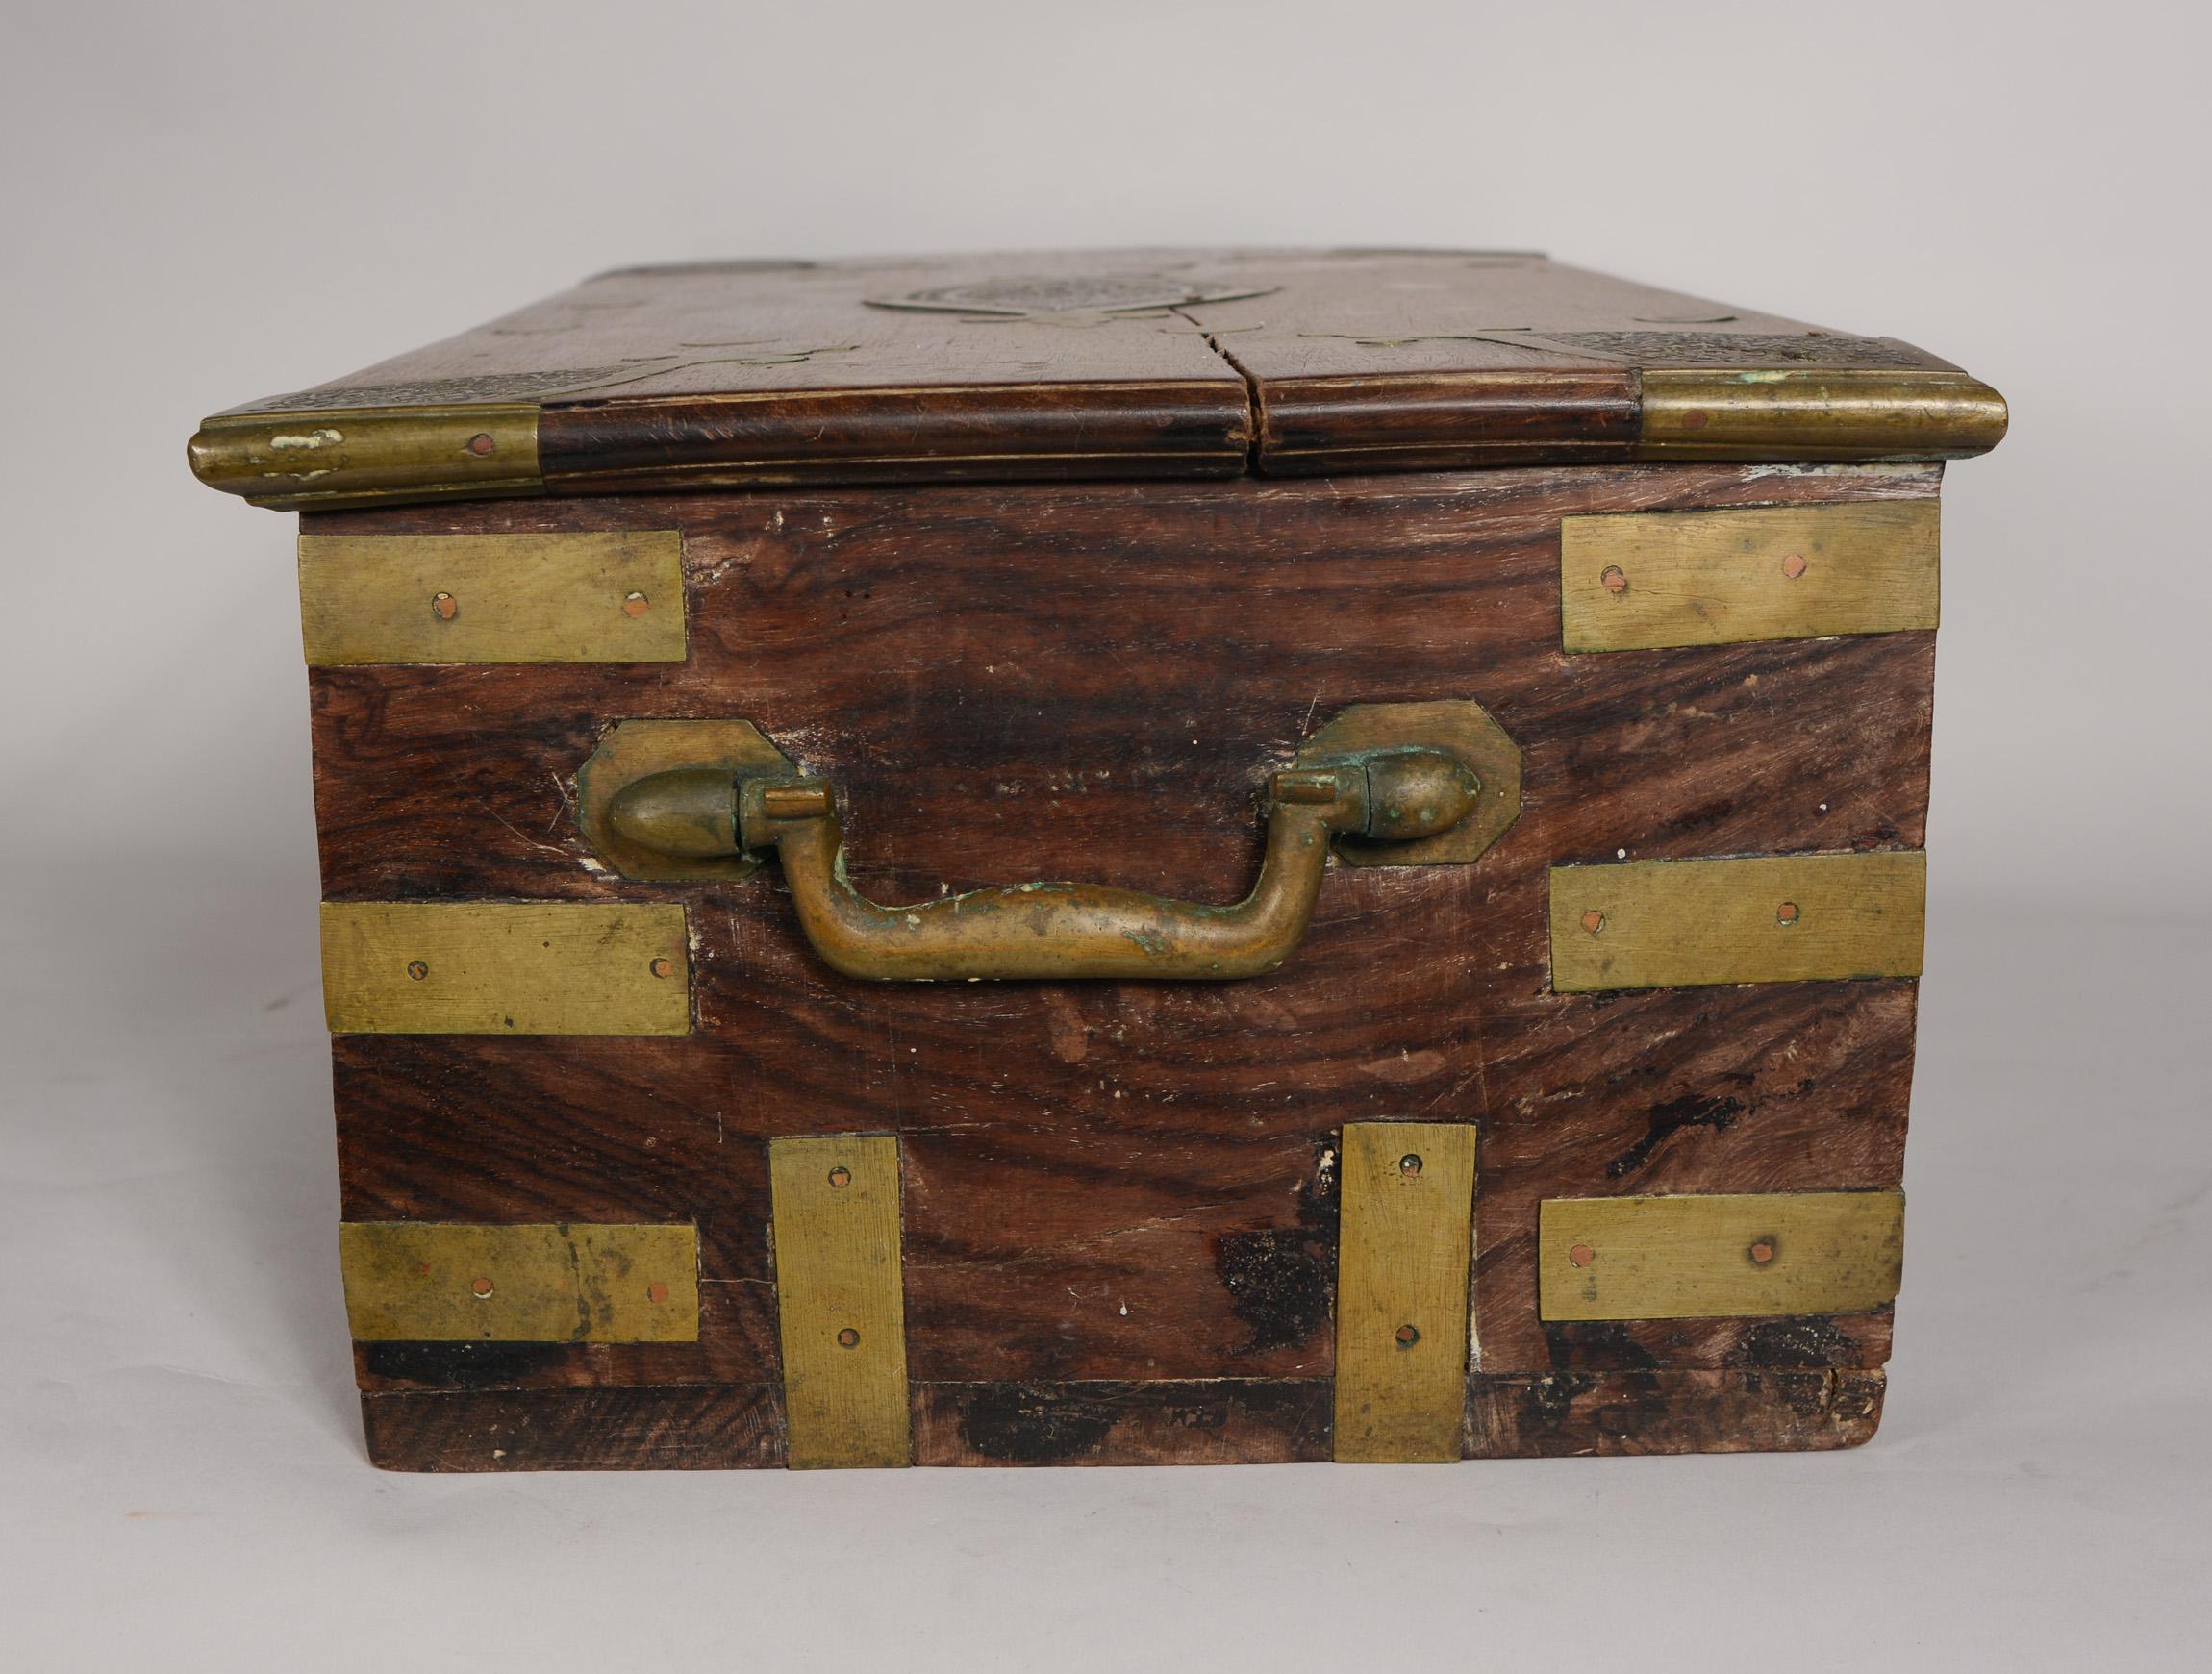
(1133, 1183)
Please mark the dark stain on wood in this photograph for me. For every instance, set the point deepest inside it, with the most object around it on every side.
(458, 1366)
(1795, 1343)
(1670, 1116)
(1034, 1423)
(1282, 1281)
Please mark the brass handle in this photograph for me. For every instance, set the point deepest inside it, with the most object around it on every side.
(1048, 930)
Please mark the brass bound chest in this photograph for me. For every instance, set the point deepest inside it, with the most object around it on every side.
(1483, 707)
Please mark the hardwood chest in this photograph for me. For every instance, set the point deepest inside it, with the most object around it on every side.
(1484, 707)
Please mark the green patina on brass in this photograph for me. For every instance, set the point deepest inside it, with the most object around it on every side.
(1411, 792)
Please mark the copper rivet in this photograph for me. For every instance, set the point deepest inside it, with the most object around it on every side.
(482, 1286)
(848, 1337)
(1763, 1252)
(840, 1175)
(481, 444)
(1409, 1163)
(656, 1292)
(1594, 921)
(1786, 912)
(1615, 580)
(1697, 419)
(445, 607)
(1794, 565)
(416, 969)
(662, 967)
(1407, 1336)
(636, 604)
(1582, 1255)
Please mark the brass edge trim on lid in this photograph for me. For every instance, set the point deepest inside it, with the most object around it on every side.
(342, 456)
(1818, 415)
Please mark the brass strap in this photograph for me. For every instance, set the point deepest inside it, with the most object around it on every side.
(840, 1300)
(1404, 1255)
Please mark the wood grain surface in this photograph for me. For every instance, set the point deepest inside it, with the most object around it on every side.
(1130, 1183)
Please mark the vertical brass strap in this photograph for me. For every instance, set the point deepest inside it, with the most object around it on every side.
(1404, 1255)
(840, 1300)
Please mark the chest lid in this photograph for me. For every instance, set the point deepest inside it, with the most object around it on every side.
(1087, 364)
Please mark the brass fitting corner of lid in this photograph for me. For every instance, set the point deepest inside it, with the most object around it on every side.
(369, 456)
(1823, 413)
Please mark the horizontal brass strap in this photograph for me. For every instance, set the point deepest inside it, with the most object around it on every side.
(1767, 918)
(443, 1281)
(613, 597)
(1714, 1257)
(1645, 580)
(505, 967)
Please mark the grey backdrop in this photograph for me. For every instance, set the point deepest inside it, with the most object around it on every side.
(207, 203)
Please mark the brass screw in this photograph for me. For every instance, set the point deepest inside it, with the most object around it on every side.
(848, 1337)
(662, 967)
(416, 969)
(482, 1288)
(481, 444)
(1615, 580)
(1582, 1255)
(1594, 921)
(636, 604)
(1407, 1336)
(445, 607)
(1409, 1163)
(1794, 565)
(656, 1292)
(1786, 912)
(841, 1176)
(1763, 1251)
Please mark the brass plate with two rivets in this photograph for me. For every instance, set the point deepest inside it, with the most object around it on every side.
(505, 967)
(1404, 1248)
(1721, 1256)
(1643, 581)
(1759, 918)
(586, 596)
(840, 1299)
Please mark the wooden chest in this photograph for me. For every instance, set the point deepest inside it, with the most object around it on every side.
(1486, 708)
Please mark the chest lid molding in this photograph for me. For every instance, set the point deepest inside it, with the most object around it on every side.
(1076, 365)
